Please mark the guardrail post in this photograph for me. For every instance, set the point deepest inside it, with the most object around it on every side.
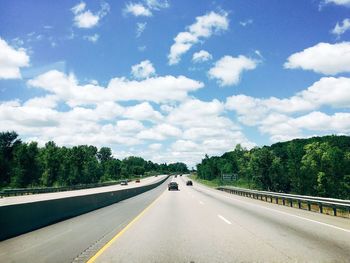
(299, 204)
(276, 200)
(334, 210)
(321, 208)
(309, 206)
(291, 202)
(283, 201)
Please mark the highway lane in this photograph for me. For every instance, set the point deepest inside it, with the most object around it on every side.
(78, 238)
(198, 224)
(56, 195)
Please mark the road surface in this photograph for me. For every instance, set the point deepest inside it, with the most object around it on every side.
(194, 224)
(197, 224)
(11, 200)
(77, 238)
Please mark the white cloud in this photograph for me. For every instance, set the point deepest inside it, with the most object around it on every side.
(140, 27)
(340, 29)
(330, 59)
(155, 146)
(229, 69)
(274, 116)
(318, 121)
(11, 60)
(129, 126)
(156, 89)
(203, 28)
(143, 70)
(338, 2)
(191, 113)
(281, 127)
(85, 18)
(201, 56)
(48, 101)
(137, 9)
(328, 91)
(143, 111)
(93, 38)
(160, 132)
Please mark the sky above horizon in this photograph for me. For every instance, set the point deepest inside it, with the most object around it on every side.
(174, 80)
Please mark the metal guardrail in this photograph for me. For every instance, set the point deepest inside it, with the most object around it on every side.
(29, 191)
(290, 199)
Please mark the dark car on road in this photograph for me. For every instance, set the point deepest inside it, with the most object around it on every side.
(137, 180)
(124, 182)
(173, 186)
(189, 182)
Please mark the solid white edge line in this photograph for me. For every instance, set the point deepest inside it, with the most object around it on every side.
(224, 219)
(288, 214)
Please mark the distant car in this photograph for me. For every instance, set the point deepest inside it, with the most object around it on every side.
(175, 175)
(173, 186)
(189, 182)
(124, 182)
(137, 180)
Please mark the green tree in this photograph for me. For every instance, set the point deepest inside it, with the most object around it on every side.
(8, 142)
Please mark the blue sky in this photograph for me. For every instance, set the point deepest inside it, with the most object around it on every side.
(174, 80)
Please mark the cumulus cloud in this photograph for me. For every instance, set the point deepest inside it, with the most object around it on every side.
(341, 28)
(129, 126)
(201, 56)
(143, 70)
(275, 116)
(11, 60)
(156, 89)
(142, 112)
(203, 28)
(85, 18)
(155, 146)
(159, 132)
(228, 69)
(325, 58)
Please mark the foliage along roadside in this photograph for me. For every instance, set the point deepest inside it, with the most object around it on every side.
(318, 166)
(27, 165)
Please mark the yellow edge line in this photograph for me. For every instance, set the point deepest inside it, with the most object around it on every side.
(110, 242)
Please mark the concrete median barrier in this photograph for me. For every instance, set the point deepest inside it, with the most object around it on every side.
(21, 218)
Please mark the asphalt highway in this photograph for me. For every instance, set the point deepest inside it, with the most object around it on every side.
(56, 195)
(198, 224)
(194, 224)
(78, 238)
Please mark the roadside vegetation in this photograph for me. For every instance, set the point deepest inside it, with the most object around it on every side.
(28, 165)
(318, 166)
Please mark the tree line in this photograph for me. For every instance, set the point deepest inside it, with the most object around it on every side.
(28, 165)
(318, 166)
